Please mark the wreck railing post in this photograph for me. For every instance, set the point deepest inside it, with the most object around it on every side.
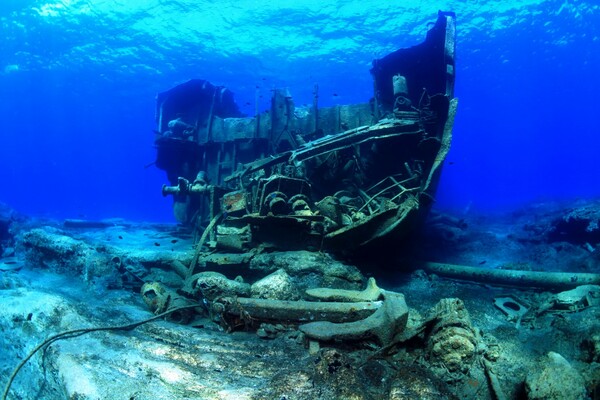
(256, 114)
(316, 106)
(209, 121)
(375, 100)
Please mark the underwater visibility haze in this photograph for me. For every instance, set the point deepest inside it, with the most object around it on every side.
(78, 81)
(304, 263)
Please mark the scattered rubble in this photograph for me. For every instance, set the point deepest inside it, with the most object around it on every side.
(580, 225)
(555, 380)
(276, 286)
(410, 339)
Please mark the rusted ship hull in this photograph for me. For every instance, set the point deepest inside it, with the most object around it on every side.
(337, 178)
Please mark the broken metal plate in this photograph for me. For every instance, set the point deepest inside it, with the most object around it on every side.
(512, 308)
(234, 202)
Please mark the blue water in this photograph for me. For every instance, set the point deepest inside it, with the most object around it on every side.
(78, 81)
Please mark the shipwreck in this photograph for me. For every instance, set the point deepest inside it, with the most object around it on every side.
(340, 178)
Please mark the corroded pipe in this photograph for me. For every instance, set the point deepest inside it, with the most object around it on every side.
(548, 280)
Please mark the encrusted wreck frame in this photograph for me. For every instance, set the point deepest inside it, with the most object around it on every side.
(338, 178)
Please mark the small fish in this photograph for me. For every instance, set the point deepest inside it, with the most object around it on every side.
(157, 244)
(11, 68)
(482, 262)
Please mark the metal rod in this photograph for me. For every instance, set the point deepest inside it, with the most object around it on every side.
(316, 106)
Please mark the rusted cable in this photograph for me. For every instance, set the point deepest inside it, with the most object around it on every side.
(210, 226)
(78, 332)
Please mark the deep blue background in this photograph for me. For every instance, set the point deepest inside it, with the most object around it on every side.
(78, 80)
